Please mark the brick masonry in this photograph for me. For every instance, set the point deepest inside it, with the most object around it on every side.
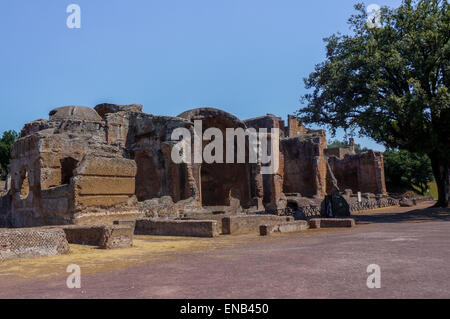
(32, 242)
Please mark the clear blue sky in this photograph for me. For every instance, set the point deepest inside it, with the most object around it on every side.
(245, 56)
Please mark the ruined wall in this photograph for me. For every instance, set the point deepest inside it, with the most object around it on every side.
(43, 166)
(295, 127)
(272, 184)
(25, 182)
(32, 242)
(89, 166)
(118, 128)
(268, 121)
(104, 189)
(362, 172)
(305, 165)
(157, 175)
(338, 152)
(222, 184)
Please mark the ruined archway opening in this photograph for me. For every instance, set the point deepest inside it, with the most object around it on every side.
(148, 177)
(214, 186)
(24, 184)
(68, 165)
(225, 184)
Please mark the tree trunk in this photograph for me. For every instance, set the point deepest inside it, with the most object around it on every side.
(440, 165)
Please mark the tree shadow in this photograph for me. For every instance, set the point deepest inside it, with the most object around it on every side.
(417, 215)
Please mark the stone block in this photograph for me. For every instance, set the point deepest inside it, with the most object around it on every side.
(331, 223)
(129, 223)
(247, 224)
(107, 166)
(104, 201)
(265, 230)
(207, 216)
(406, 202)
(32, 242)
(93, 185)
(188, 228)
(105, 217)
(117, 237)
(105, 237)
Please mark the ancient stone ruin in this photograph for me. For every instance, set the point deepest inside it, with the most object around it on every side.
(89, 166)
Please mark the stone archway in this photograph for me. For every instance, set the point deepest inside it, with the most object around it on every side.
(222, 184)
(148, 177)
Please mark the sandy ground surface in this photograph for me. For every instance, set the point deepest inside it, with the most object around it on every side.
(411, 246)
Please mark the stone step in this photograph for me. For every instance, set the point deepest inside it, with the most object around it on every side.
(183, 228)
(331, 223)
(292, 227)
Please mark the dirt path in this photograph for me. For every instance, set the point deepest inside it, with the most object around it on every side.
(411, 246)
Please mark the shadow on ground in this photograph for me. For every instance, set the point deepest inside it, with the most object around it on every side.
(422, 214)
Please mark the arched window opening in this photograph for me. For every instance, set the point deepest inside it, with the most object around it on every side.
(24, 184)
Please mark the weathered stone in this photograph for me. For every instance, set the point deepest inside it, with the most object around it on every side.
(117, 237)
(331, 223)
(335, 205)
(106, 108)
(189, 228)
(363, 172)
(89, 167)
(406, 202)
(107, 166)
(101, 185)
(247, 224)
(106, 217)
(32, 242)
(131, 223)
(218, 217)
(83, 113)
(265, 230)
(106, 237)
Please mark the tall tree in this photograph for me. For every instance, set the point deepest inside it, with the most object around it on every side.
(407, 171)
(6, 142)
(390, 82)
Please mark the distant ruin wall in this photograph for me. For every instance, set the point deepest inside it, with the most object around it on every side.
(339, 152)
(362, 172)
(304, 166)
(295, 127)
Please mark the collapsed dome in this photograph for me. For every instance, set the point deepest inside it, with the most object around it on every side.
(106, 108)
(209, 112)
(82, 113)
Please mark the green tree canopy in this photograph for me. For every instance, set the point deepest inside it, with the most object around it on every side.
(6, 142)
(407, 171)
(390, 82)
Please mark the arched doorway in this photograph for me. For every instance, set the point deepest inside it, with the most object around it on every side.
(222, 184)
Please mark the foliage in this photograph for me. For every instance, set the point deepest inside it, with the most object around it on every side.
(408, 171)
(6, 142)
(390, 82)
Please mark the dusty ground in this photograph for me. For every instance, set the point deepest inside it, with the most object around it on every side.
(412, 247)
